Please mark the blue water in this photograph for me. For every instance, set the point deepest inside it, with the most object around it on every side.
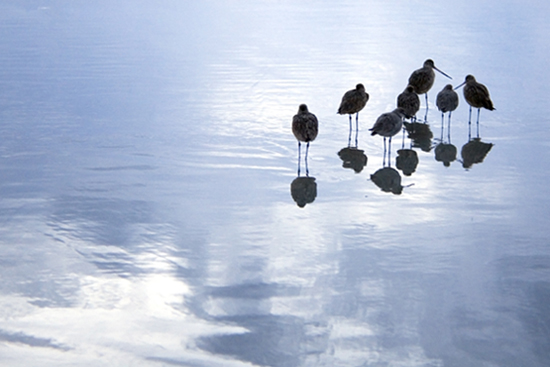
(146, 173)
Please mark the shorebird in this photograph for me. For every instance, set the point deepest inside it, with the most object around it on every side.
(447, 101)
(354, 101)
(477, 95)
(409, 101)
(388, 124)
(305, 128)
(422, 79)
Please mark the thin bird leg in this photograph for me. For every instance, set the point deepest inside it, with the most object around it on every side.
(349, 137)
(389, 152)
(350, 122)
(403, 140)
(307, 149)
(299, 145)
(470, 124)
(357, 122)
(477, 123)
(442, 123)
(384, 159)
(449, 129)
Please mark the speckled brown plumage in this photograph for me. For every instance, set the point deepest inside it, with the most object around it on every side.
(305, 126)
(409, 101)
(353, 100)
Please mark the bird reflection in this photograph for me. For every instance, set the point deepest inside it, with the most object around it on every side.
(445, 151)
(420, 134)
(305, 128)
(352, 102)
(388, 180)
(303, 190)
(474, 152)
(406, 161)
(422, 80)
(353, 157)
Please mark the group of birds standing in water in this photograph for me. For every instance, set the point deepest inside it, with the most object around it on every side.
(305, 125)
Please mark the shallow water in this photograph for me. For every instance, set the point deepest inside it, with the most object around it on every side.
(147, 167)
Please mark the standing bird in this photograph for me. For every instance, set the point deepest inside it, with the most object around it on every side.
(422, 79)
(409, 101)
(477, 95)
(447, 101)
(388, 124)
(354, 101)
(305, 128)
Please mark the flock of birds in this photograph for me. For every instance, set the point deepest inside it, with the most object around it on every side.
(305, 125)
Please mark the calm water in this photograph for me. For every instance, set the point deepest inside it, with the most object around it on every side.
(146, 167)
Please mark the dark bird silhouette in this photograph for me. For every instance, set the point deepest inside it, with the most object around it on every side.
(409, 101)
(447, 101)
(388, 124)
(305, 128)
(354, 101)
(423, 79)
(477, 96)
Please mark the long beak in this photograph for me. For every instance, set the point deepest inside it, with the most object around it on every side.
(460, 85)
(442, 72)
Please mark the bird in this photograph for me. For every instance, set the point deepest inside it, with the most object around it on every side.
(477, 95)
(388, 124)
(305, 128)
(422, 79)
(447, 101)
(354, 101)
(409, 101)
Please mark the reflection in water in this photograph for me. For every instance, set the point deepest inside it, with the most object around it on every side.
(351, 156)
(445, 151)
(420, 134)
(388, 180)
(305, 127)
(352, 102)
(406, 161)
(474, 152)
(303, 190)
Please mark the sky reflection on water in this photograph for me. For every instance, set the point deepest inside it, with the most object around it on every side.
(147, 172)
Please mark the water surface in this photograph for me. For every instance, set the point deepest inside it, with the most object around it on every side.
(147, 161)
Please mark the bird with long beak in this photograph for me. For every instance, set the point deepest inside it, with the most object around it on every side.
(423, 79)
(477, 96)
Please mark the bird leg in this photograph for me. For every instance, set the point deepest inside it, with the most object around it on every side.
(470, 124)
(384, 159)
(389, 152)
(442, 123)
(449, 129)
(477, 123)
(299, 145)
(307, 149)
